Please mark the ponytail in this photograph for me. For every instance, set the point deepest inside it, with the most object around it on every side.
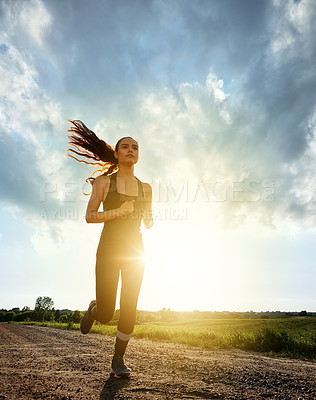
(86, 144)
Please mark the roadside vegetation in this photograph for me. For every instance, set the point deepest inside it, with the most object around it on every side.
(286, 334)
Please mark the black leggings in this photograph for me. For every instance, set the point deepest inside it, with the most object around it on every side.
(111, 260)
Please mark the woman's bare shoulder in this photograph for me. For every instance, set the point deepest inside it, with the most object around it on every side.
(147, 188)
(102, 180)
(101, 186)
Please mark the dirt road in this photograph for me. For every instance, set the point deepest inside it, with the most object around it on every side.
(45, 363)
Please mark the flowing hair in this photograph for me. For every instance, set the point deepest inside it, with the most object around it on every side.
(86, 144)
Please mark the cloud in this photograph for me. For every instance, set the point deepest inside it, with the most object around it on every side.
(29, 19)
(215, 91)
(120, 50)
(32, 130)
(230, 137)
(29, 122)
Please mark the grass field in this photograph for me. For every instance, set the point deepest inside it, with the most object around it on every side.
(291, 337)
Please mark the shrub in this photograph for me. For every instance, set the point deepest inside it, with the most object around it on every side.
(23, 316)
(271, 340)
(76, 316)
(70, 325)
(8, 316)
(63, 318)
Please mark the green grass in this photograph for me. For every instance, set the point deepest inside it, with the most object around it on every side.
(295, 337)
(292, 337)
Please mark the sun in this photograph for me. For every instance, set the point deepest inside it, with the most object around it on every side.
(184, 267)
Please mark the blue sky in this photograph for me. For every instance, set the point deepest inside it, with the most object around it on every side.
(220, 95)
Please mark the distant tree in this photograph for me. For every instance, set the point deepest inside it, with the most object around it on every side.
(150, 317)
(16, 310)
(44, 303)
(145, 316)
(8, 316)
(303, 313)
(43, 308)
(76, 316)
(23, 316)
(167, 315)
(49, 315)
(63, 318)
(57, 315)
(25, 308)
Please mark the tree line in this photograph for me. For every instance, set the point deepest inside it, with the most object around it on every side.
(43, 311)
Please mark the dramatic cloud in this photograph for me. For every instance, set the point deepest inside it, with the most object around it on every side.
(220, 92)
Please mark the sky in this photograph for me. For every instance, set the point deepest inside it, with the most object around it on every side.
(221, 98)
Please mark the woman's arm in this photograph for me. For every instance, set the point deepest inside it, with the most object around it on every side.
(148, 215)
(100, 190)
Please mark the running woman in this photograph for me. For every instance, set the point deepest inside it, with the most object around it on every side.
(126, 202)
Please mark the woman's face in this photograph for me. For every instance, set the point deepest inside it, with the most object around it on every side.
(127, 152)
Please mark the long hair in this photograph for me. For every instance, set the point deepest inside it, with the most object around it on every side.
(86, 144)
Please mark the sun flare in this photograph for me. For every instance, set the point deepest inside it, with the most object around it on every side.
(187, 268)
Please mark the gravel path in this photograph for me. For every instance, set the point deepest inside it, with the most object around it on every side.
(45, 363)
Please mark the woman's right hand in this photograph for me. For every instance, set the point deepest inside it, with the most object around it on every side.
(127, 207)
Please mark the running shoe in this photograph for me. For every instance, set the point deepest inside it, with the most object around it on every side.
(119, 369)
(87, 320)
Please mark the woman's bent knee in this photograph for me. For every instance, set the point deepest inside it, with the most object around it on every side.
(104, 318)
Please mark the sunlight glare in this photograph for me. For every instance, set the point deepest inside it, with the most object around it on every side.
(189, 269)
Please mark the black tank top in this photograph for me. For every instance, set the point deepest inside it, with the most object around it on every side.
(125, 229)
